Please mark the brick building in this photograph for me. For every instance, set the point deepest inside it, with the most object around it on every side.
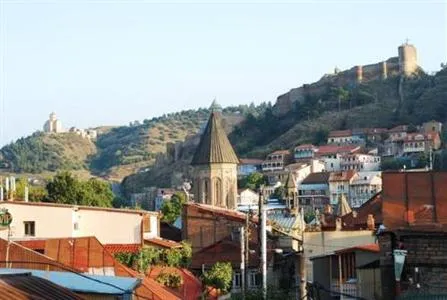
(414, 211)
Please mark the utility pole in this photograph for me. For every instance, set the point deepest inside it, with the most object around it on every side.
(242, 241)
(247, 247)
(303, 271)
(263, 239)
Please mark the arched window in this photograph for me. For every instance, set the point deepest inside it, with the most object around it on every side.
(218, 192)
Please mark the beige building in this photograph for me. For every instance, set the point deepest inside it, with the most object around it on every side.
(53, 125)
(215, 167)
(37, 220)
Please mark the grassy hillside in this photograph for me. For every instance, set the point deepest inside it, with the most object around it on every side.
(42, 152)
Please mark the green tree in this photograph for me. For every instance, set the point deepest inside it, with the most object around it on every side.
(172, 209)
(65, 188)
(279, 193)
(219, 276)
(254, 181)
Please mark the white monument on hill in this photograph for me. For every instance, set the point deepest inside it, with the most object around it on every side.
(53, 125)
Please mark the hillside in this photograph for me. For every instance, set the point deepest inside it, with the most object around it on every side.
(118, 151)
(377, 103)
(41, 152)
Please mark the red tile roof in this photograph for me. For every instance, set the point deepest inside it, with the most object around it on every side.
(191, 287)
(334, 149)
(127, 248)
(367, 247)
(358, 219)
(340, 133)
(342, 175)
(162, 243)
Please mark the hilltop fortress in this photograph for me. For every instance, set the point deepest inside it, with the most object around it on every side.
(405, 65)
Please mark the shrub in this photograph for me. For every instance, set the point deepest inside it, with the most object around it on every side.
(220, 276)
(170, 279)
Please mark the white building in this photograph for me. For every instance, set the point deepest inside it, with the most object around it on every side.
(53, 125)
(332, 155)
(247, 197)
(364, 185)
(37, 220)
(340, 184)
(276, 161)
(360, 162)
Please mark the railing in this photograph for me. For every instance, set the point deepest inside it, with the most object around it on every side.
(346, 289)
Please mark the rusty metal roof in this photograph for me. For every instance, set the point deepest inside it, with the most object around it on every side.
(25, 286)
(214, 146)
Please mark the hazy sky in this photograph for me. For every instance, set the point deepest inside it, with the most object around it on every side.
(111, 62)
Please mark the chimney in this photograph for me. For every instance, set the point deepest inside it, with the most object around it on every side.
(338, 224)
(370, 223)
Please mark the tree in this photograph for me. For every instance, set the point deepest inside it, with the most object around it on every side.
(172, 209)
(220, 276)
(279, 193)
(65, 188)
(254, 181)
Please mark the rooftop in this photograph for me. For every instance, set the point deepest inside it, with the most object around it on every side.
(334, 149)
(82, 283)
(164, 243)
(317, 178)
(79, 207)
(342, 175)
(340, 133)
(24, 286)
(214, 146)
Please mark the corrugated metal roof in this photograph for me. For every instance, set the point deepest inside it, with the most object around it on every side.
(214, 146)
(25, 286)
(95, 284)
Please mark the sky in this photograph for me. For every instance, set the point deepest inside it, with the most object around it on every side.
(111, 62)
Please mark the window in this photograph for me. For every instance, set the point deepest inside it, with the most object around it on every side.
(237, 280)
(30, 228)
(75, 226)
(254, 279)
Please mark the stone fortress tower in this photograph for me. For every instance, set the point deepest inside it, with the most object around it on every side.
(215, 167)
(53, 125)
(408, 63)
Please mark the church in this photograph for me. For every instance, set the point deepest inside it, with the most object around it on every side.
(215, 167)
